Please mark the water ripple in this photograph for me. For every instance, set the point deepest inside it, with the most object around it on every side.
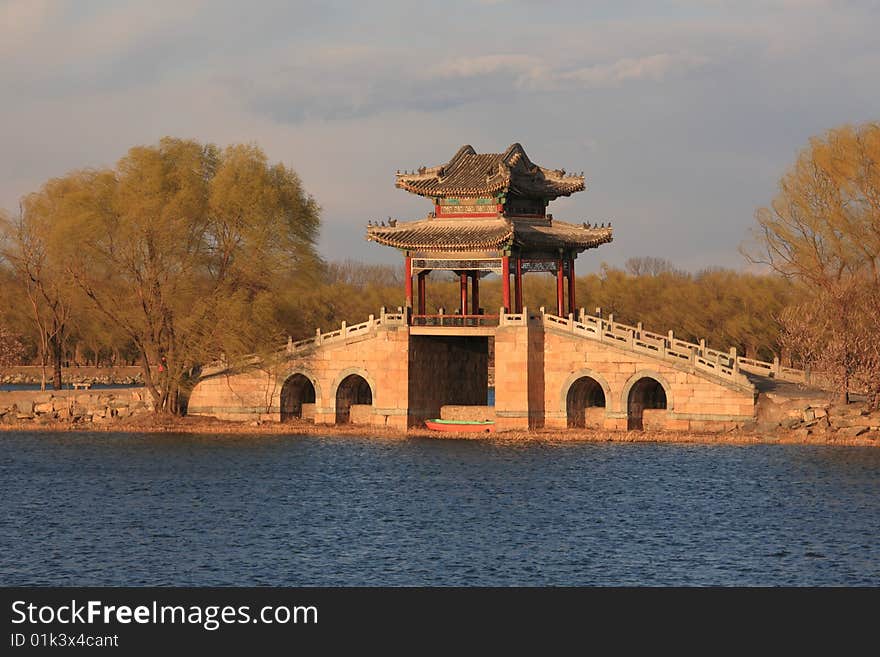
(131, 509)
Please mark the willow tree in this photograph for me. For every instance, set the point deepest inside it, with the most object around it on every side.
(191, 251)
(823, 229)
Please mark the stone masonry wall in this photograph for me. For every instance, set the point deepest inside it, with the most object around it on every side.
(412, 377)
(519, 375)
(380, 357)
(695, 402)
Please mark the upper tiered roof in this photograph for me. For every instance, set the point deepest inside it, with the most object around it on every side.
(472, 174)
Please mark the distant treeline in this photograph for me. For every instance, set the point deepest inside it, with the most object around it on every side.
(726, 308)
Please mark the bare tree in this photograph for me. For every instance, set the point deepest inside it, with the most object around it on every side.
(47, 291)
(823, 229)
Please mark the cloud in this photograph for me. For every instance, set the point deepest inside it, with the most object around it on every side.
(465, 67)
(683, 114)
(655, 67)
(20, 20)
(343, 83)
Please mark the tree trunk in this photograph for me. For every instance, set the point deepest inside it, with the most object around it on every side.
(148, 381)
(57, 357)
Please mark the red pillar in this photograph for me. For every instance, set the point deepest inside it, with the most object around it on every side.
(464, 278)
(560, 294)
(408, 267)
(517, 285)
(422, 275)
(505, 282)
(475, 294)
(572, 303)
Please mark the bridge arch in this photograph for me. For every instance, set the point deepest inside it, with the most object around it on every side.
(582, 390)
(299, 387)
(353, 386)
(646, 389)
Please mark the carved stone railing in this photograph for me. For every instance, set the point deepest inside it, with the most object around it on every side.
(725, 365)
(461, 321)
(345, 331)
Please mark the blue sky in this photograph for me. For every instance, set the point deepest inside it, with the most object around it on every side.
(682, 114)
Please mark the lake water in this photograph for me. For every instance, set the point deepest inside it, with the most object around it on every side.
(130, 509)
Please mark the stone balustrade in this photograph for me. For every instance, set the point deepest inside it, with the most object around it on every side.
(726, 365)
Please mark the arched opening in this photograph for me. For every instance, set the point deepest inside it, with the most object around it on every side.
(646, 393)
(585, 397)
(353, 391)
(297, 391)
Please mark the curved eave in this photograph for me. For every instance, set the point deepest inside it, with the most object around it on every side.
(437, 189)
(561, 235)
(438, 235)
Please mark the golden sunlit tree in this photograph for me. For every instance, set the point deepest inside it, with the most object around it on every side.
(190, 251)
(823, 229)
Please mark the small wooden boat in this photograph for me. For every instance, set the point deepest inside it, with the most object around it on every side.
(461, 425)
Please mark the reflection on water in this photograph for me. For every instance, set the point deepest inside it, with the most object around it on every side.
(128, 509)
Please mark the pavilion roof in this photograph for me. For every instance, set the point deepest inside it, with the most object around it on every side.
(432, 234)
(472, 174)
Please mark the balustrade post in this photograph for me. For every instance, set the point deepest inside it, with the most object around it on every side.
(318, 338)
(734, 359)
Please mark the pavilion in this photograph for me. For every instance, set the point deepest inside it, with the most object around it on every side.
(490, 216)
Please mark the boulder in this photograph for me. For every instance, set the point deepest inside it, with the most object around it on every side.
(44, 407)
(851, 432)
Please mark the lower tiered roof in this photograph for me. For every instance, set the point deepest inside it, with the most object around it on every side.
(435, 234)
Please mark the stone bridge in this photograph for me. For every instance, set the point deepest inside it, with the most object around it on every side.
(555, 372)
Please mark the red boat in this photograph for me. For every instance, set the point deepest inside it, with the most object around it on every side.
(487, 426)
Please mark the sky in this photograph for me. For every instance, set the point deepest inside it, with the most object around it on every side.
(683, 115)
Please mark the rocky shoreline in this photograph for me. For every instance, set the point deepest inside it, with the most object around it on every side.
(111, 413)
(781, 418)
(22, 408)
(30, 375)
